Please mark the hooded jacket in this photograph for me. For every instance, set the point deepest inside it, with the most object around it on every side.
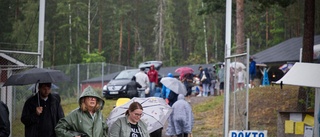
(80, 122)
(181, 119)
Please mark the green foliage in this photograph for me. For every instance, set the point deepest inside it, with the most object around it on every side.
(66, 40)
(93, 57)
(310, 99)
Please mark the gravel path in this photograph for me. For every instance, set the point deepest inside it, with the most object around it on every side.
(194, 101)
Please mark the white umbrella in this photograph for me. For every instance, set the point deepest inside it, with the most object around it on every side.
(174, 84)
(155, 112)
(237, 65)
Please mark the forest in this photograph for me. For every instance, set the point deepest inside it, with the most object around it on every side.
(127, 32)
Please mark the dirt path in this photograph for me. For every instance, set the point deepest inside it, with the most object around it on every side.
(194, 101)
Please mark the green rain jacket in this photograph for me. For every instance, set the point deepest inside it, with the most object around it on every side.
(81, 123)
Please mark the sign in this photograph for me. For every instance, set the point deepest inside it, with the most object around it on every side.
(308, 131)
(248, 133)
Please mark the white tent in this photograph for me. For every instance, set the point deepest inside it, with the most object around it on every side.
(308, 75)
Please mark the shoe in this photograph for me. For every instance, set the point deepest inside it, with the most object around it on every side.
(199, 95)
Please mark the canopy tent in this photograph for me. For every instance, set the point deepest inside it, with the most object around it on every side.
(308, 75)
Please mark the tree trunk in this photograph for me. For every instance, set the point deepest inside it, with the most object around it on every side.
(128, 51)
(308, 43)
(120, 42)
(240, 31)
(89, 25)
(100, 28)
(160, 55)
(267, 27)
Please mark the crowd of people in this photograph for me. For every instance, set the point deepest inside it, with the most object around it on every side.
(43, 115)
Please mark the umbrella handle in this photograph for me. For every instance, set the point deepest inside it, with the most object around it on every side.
(35, 86)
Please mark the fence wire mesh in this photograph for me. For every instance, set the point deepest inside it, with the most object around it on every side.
(15, 96)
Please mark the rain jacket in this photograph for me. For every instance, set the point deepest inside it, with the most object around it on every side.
(31, 120)
(181, 118)
(122, 128)
(4, 120)
(80, 122)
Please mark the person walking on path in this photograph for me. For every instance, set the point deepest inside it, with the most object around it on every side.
(4, 120)
(130, 125)
(41, 113)
(87, 120)
(143, 80)
(221, 79)
(205, 80)
(252, 71)
(187, 80)
(153, 77)
(181, 119)
(213, 77)
(240, 79)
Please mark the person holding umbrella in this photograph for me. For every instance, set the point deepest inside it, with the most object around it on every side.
(41, 113)
(87, 120)
(130, 125)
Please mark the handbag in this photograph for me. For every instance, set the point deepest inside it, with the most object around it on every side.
(147, 90)
(204, 77)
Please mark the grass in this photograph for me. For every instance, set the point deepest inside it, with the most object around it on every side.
(68, 105)
(264, 104)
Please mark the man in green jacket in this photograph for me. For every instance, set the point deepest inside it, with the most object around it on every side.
(87, 120)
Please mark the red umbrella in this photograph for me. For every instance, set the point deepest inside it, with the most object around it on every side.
(184, 70)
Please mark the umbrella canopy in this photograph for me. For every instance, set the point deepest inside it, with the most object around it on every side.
(155, 112)
(237, 65)
(184, 70)
(174, 84)
(37, 75)
(53, 86)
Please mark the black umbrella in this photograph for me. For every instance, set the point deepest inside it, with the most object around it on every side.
(37, 75)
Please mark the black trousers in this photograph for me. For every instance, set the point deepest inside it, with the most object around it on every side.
(183, 135)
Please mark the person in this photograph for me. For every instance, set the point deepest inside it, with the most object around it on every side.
(187, 80)
(165, 91)
(252, 71)
(213, 77)
(221, 79)
(205, 80)
(240, 79)
(143, 79)
(4, 120)
(181, 119)
(134, 85)
(86, 120)
(130, 125)
(41, 113)
(153, 79)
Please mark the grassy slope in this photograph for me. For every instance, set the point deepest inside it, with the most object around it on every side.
(264, 104)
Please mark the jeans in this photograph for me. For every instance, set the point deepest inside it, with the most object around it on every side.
(142, 93)
(152, 89)
(205, 88)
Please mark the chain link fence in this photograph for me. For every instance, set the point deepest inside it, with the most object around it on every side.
(15, 96)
